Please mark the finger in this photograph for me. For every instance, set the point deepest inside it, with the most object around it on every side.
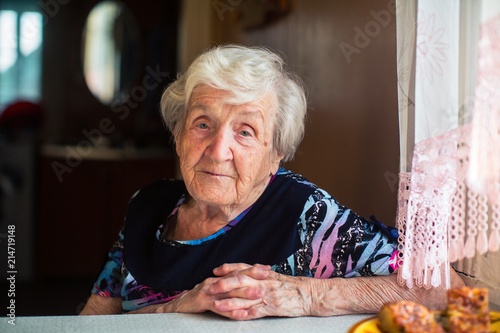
(230, 268)
(239, 314)
(247, 293)
(256, 272)
(258, 311)
(266, 267)
(228, 284)
(263, 267)
(234, 304)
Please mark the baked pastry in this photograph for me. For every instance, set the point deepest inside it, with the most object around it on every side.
(407, 317)
(468, 310)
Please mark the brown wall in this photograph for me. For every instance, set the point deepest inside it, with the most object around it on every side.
(351, 143)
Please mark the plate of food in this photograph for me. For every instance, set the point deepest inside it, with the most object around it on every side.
(467, 311)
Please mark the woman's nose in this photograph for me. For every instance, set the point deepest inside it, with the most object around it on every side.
(220, 147)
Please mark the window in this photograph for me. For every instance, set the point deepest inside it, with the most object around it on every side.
(20, 56)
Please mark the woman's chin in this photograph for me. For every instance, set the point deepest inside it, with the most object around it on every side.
(215, 199)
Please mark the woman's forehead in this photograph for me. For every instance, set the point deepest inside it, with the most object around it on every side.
(206, 91)
(204, 96)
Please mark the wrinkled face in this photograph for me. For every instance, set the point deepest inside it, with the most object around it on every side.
(226, 154)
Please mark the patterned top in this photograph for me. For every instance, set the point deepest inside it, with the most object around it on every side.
(336, 242)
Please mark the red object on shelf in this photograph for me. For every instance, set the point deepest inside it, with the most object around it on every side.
(21, 115)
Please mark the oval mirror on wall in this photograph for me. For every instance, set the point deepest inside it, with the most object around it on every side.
(110, 51)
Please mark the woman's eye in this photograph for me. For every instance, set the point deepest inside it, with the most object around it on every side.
(202, 125)
(245, 133)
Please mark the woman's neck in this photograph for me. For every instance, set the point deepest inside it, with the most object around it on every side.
(197, 220)
(193, 221)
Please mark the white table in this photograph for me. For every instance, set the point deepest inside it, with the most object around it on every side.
(174, 322)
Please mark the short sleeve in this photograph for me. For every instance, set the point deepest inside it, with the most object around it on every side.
(110, 281)
(339, 243)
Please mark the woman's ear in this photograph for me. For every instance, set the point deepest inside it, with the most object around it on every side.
(177, 143)
(275, 162)
(176, 148)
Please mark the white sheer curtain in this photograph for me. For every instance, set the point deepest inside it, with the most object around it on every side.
(449, 108)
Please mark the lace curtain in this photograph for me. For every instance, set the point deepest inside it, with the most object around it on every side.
(449, 111)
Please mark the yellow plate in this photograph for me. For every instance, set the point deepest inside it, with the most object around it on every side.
(371, 325)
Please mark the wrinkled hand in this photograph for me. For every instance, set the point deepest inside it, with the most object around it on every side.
(247, 292)
(205, 295)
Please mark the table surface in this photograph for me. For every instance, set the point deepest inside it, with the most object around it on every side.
(175, 322)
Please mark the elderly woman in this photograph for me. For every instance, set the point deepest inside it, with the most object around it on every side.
(239, 235)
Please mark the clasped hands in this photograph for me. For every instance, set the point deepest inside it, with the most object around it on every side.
(242, 292)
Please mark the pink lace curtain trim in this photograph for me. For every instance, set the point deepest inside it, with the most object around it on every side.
(432, 231)
(449, 206)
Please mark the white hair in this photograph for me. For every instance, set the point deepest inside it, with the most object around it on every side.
(249, 73)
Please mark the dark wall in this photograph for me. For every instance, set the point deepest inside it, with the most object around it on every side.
(70, 106)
